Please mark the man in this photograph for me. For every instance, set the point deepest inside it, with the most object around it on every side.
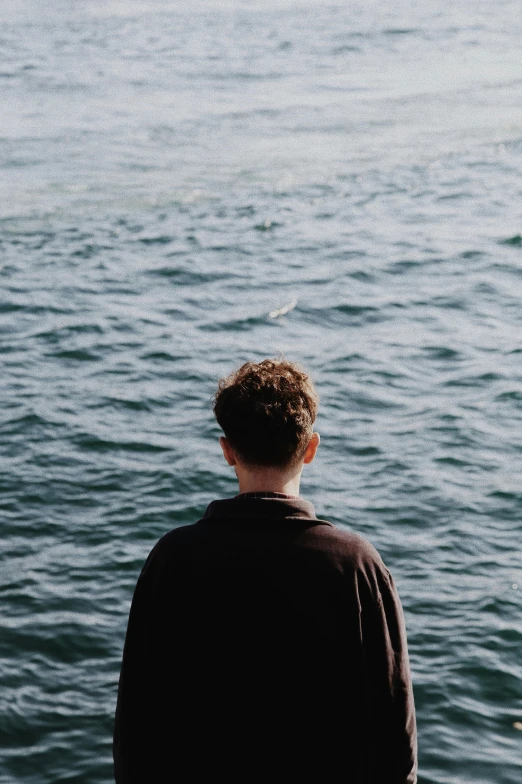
(265, 644)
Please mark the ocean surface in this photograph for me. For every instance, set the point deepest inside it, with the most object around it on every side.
(185, 186)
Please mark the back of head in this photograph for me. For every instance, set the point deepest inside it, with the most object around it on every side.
(267, 411)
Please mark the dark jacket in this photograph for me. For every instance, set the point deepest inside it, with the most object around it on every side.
(265, 645)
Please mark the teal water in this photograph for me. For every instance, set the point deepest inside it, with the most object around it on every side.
(170, 177)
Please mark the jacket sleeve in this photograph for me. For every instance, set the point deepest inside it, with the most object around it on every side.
(391, 710)
(131, 741)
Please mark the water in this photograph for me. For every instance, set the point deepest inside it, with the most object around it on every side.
(171, 175)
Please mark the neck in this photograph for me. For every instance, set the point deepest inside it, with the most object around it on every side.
(268, 480)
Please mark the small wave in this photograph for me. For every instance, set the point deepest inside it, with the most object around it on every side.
(95, 444)
(516, 241)
(78, 355)
(400, 31)
(233, 325)
(162, 239)
(513, 394)
(89, 250)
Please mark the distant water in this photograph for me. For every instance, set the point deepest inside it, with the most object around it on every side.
(173, 173)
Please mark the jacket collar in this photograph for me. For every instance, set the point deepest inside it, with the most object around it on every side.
(271, 508)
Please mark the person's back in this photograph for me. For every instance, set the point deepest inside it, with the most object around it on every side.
(264, 643)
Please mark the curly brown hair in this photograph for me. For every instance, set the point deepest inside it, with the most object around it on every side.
(267, 411)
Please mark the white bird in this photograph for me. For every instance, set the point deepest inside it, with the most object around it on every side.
(285, 309)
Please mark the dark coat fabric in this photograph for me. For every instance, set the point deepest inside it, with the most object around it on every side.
(264, 644)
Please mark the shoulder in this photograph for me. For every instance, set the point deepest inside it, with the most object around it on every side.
(176, 541)
(359, 562)
(174, 545)
(349, 548)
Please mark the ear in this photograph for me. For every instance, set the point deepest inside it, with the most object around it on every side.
(311, 449)
(228, 452)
